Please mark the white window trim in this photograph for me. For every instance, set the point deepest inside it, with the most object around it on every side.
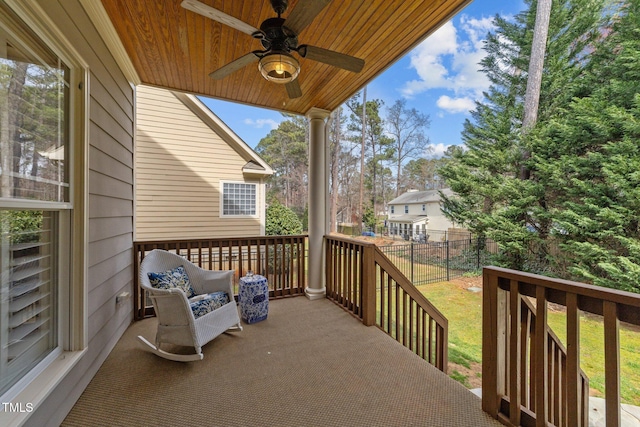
(258, 199)
(73, 323)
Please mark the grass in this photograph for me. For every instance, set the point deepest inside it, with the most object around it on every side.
(463, 309)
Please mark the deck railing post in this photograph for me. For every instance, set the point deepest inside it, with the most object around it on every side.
(490, 344)
(368, 285)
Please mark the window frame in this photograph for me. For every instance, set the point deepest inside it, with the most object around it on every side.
(72, 241)
(256, 201)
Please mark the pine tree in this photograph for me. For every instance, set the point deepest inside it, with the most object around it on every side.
(492, 201)
(589, 156)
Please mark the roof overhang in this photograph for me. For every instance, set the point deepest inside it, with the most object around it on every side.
(255, 164)
(412, 219)
(161, 44)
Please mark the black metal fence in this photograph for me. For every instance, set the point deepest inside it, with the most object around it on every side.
(439, 261)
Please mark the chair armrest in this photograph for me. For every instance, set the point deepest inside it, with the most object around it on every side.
(215, 281)
(172, 306)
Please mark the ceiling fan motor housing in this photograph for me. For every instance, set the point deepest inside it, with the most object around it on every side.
(274, 35)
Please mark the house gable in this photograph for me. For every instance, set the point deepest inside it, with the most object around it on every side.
(417, 204)
(184, 153)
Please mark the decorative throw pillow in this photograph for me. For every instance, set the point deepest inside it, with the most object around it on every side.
(174, 278)
(203, 304)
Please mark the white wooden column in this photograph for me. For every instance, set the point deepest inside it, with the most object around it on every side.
(318, 178)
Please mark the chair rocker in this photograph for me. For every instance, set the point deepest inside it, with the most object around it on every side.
(193, 305)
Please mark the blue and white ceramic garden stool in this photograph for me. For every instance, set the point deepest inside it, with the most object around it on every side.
(253, 297)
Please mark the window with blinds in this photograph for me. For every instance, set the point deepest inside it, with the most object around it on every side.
(28, 307)
(34, 197)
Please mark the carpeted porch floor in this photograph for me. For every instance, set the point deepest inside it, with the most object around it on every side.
(309, 364)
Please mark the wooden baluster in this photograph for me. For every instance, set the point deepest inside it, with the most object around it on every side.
(541, 358)
(574, 405)
(424, 335)
(411, 320)
(389, 304)
(515, 353)
(397, 315)
(330, 267)
(382, 300)
(612, 363)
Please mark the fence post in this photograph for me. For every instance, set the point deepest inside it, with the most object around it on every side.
(478, 251)
(412, 259)
(447, 243)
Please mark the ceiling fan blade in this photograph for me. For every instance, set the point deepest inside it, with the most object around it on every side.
(304, 12)
(331, 57)
(293, 89)
(233, 66)
(217, 15)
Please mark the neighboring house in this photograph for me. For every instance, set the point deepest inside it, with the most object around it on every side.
(414, 213)
(195, 178)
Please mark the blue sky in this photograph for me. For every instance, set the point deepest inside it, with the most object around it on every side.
(439, 77)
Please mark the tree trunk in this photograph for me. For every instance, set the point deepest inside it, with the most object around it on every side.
(364, 122)
(334, 169)
(534, 77)
(9, 125)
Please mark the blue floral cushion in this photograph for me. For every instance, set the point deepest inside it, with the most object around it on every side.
(174, 278)
(204, 304)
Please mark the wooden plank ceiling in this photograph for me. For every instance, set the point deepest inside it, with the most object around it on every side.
(174, 48)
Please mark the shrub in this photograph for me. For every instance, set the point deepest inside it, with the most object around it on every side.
(281, 221)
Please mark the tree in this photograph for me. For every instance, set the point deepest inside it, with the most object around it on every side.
(492, 199)
(281, 221)
(379, 146)
(406, 127)
(534, 77)
(335, 147)
(590, 158)
(420, 174)
(286, 150)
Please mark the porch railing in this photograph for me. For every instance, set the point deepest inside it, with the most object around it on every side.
(362, 280)
(281, 259)
(530, 378)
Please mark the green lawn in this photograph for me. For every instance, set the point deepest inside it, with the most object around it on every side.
(464, 311)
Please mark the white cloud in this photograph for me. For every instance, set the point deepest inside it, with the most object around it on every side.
(437, 150)
(260, 123)
(449, 59)
(456, 105)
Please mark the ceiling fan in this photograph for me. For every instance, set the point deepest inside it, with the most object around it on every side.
(279, 37)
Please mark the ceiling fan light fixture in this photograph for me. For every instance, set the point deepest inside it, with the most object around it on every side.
(279, 67)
